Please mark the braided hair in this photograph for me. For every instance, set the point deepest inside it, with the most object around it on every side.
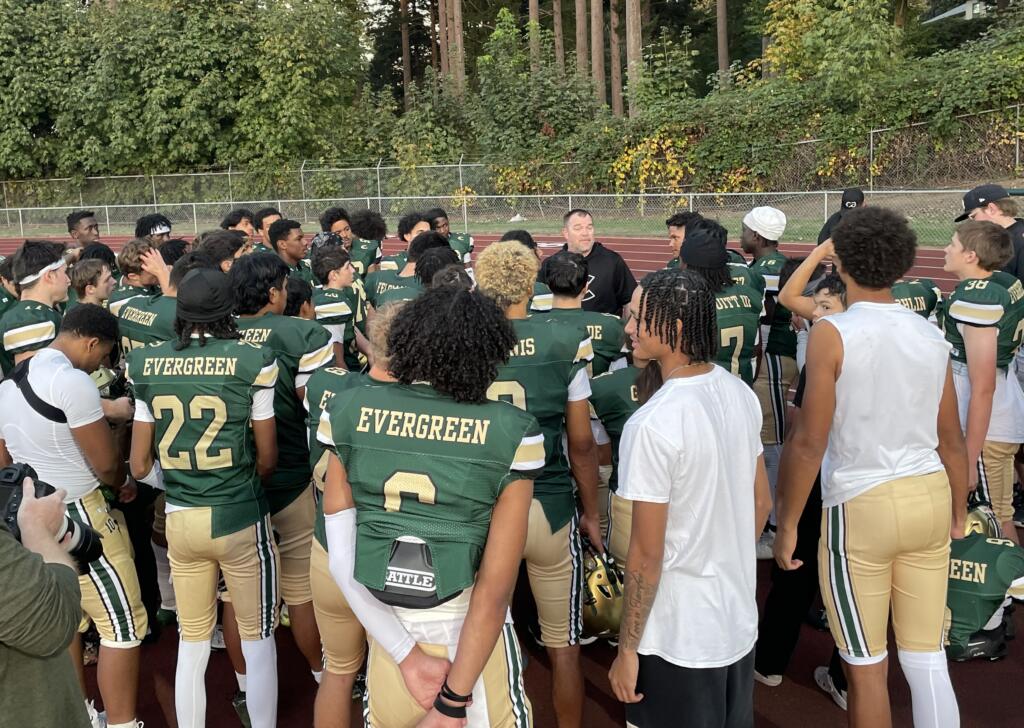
(224, 328)
(674, 296)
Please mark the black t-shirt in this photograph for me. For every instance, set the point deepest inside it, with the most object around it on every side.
(798, 396)
(1016, 265)
(826, 229)
(611, 282)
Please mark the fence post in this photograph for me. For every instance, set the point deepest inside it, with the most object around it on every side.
(21, 223)
(824, 207)
(231, 191)
(106, 213)
(871, 161)
(380, 203)
(465, 206)
(195, 218)
(690, 202)
(7, 204)
(302, 182)
(152, 182)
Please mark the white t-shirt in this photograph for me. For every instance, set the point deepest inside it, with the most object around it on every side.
(49, 447)
(695, 446)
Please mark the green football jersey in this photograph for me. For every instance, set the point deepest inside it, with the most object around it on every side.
(673, 263)
(389, 280)
(364, 254)
(738, 310)
(607, 334)
(920, 295)
(201, 400)
(463, 244)
(744, 276)
(613, 400)
(423, 465)
(263, 248)
(981, 573)
(994, 301)
(542, 299)
(72, 300)
(28, 326)
(145, 321)
(7, 301)
(300, 347)
(781, 337)
(735, 256)
(394, 262)
(124, 293)
(320, 389)
(302, 270)
(547, 358)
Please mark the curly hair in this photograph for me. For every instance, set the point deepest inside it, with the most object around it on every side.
(833, 285)
(434, 260)
(449, 324)
(368, 225)
(875, 246)
(129, 260)
(224, 328)
(506, 272)
(674, 296)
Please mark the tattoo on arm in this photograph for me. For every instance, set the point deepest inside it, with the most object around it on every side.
(641, 586)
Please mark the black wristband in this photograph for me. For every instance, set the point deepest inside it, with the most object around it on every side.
(448, 694)
(451, 711)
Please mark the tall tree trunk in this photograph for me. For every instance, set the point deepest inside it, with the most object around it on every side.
(597, 50)
(616, 56)
(634, 58)
(442, 35)
(433, 36)
(556, 15)
(645, 22)
(722, 25)
(460, 48)
(403, 11)
(534, 35)
(582, 53)
(451, 39)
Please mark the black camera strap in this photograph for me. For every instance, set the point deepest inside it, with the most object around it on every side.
(47, 410)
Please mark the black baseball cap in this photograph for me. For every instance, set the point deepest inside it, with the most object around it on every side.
(853, 197)
(981, 196)
(204, 296)
(704, 246)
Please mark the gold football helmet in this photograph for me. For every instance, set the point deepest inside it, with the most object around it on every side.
(602, 600)
(103, 377)
(981, 519)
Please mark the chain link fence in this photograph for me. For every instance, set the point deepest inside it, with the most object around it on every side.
(958, 152)
(931, 212)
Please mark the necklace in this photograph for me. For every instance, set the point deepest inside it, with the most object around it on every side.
(684, 366)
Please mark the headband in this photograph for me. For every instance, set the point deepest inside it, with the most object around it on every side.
(43, 271)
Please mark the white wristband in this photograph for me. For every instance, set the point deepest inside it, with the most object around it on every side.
(376, 617)
(155, 476)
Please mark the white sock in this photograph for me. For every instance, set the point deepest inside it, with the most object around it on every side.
(317, 675)
(163, 578)
(261, 668)
(931, 692)
(190, 683)
(240, 677)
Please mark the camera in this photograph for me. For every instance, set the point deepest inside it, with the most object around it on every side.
(85, 543)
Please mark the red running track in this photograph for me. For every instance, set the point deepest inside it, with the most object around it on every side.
(642, 254)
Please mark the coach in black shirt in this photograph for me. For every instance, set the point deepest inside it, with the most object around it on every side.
(994, 204)
(852, 199)
(611, 282)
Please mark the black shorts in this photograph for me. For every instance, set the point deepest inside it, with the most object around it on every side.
(686, 697)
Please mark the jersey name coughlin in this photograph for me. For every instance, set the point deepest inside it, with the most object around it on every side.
(395, 423)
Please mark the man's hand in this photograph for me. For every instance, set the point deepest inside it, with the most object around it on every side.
(590, 526)
(433, 719)
(972, 478)
(623, 674)
(956, 532)
(118, 411)
(153, 263)
(40, 517)
(128, 492)
(423, 676)
(785, 545)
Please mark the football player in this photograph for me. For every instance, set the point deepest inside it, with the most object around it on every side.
(920, 295)
(42, 278)
(300, 347)
(546, 376)
(339, 307)
(441, 481)
(205, 403)
(240, 220)
(542, 298)
(300, 299)
(461, 243)
(8, 298)
(384, 280)
(737, 307)
(369, 231)
(409, 226)
(335, 220)
(223, 247)
(982, 323)
(677, 226)
(136, 281)
(91, 282)
(290, 245)
(154, 228)
(263, 219)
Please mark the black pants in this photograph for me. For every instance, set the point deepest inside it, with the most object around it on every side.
(791, 596)
(685, 697)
